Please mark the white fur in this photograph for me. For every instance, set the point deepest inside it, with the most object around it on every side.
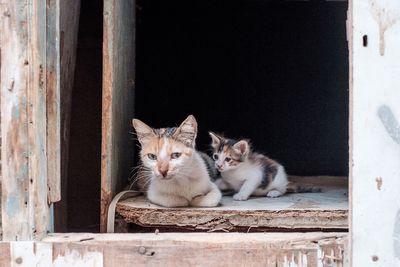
(247, 177)
(163, 151)
(190, 185)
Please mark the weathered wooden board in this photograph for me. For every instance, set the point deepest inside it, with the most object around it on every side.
(25, 206)
(52, 58)
(68, 34)
(375, 132)
(14, 117)
(118, 97)
(38, 205)
(1, 230)
(196, 249)
(325, 210)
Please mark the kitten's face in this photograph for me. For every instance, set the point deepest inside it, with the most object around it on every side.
(228, 154)
(166, 152)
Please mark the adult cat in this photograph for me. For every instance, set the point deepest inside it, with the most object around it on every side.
(172, 172)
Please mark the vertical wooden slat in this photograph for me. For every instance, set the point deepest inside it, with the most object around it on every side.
(68, 37)
(26, 210)
(118, 94)
(53, 100)
(375, 149)
(39, 211)
(14, 120)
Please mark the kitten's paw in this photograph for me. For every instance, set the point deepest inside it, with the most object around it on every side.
(274, 193)
(240, 197)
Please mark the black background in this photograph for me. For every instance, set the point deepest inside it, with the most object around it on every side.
(274, 72)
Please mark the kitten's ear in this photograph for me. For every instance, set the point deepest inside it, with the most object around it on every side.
(143, 131)
(216, 140)
(242, 147)
(187, 131)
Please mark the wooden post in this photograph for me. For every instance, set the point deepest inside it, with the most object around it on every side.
(375, 132)
(68, 35)
(14, 120)
(118, 96)
(28, 92)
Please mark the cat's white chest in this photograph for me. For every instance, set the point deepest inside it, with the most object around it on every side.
(236, 178)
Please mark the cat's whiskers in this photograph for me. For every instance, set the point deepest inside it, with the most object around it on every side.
(164, 144)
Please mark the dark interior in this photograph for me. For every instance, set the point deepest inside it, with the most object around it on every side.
(272, 71)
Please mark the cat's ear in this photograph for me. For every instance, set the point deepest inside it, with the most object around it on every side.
(242, 147)
(216, 140)
(143, 131)
(187, 131)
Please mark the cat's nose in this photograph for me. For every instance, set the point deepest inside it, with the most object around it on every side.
(163, 172)
(219, 166)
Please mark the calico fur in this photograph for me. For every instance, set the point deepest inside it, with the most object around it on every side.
(172, 172)
(247, 172)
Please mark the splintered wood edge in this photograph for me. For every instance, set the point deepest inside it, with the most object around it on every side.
(232, 219)
(182, 249)
(229, 220)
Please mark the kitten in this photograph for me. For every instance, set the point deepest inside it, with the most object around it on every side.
(247, 172)
(172, 172)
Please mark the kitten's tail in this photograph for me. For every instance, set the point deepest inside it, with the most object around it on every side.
(302, 188)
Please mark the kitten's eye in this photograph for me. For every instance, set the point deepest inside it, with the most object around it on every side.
(152, 156)
(228, 159)
(175, 155)
(215, 156)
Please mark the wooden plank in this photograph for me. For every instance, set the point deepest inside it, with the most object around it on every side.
(325, 210)
(375, 133)
(53, 100)
(5, 255)
(185, 249)
(198, 249)
(25, 210)
(39, 210)
(118, 97)
(14, 118)
(69, 24)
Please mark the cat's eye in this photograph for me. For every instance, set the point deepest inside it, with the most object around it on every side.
(227, 159)
(152, 156)
(175, 155)
(215, 156)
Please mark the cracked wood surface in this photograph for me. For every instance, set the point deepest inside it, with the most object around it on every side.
(180, 249)
(312, 211)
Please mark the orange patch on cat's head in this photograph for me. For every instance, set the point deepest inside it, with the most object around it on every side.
(155, 144)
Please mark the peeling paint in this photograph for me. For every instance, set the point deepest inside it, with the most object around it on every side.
(385, 20)
(13, 204)
(77, 259)
(16, 112)
(379, 182)
(391, 124)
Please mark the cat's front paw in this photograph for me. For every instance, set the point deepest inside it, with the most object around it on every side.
(274, 193)
(240, 196)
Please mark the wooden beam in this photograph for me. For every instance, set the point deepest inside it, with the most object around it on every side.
(118, 97)
(174, 249)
